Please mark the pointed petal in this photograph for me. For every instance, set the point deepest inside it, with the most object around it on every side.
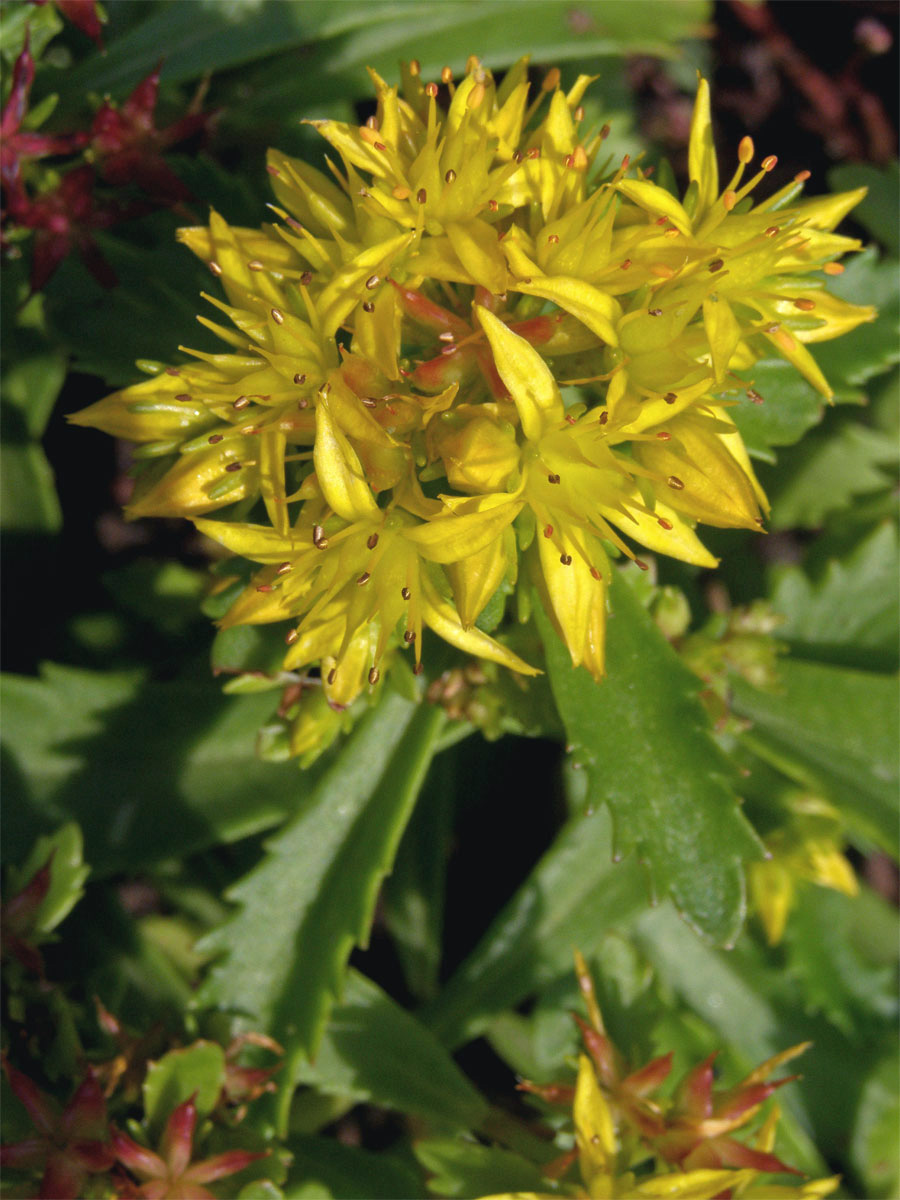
(440, 615)
(526, 376)
(702, 164)
(222, 1165)
(339, 471)
(595, 309)
(451, 539)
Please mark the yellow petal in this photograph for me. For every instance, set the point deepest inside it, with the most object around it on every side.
(595, 309)
(722, 331)
(271, 478)
(450, 539)
(655, 200)
(702, 165)
(595, 1132)
(527, 377)
(338, 470)
(440, 615)
(476, 578)
(475, 245)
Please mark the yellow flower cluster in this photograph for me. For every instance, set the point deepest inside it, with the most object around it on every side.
(478, 348)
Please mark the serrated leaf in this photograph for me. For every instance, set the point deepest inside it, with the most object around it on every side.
(833, 976)
(198, 1070)
(148, 770)
(323, 1167)
(841, 460)
(573, 897)
(790, 407)
(869, 350)
(311, 898)
(835, 729)
(852, 612)
(464, 1169)
(645, 740)
(878, 210)
(373, 1051)
(68, 871)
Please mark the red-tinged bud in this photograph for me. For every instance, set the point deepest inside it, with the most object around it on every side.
(178, 1136)
(550, 1093)
(601, 1051)
(84, 15)
(135, 1157)
(695, 1091)
(648, 1078)
(85, 1116)
(222, 1165)
(43, 1111)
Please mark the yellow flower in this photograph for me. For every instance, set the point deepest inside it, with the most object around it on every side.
(808, 848)
(385, 430)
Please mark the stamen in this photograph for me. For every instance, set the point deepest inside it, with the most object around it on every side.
(450, 176)
(421, 196)
(306, 278)
(215, 438)
(409, 637)
(552, 239)
(769, 163)
(595, 574)
(372, 282)
(283, 568)
(320, 541)
(553, 479)
(638, 562)
(374, 675)
(215, 268)
(674, 482)
(368, 306)
(233, 466)
(804, 304)
(663, 436)
(833, 268)
(670, 397)
(548, 531)
(716, 265)
(663, 523)
(746, 150)
(277, 316)
(255, 265)
(655, 312)
(184, 397)
(754, 396)
(431, 89)
(566, 560)
(405, 593)
(363, 579)
(372, 541)
(299, 379)
(291, 636)
(332, 675)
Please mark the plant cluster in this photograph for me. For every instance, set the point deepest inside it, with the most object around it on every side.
(541, 623)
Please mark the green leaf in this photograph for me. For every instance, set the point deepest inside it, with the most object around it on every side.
(31, 387)
(63, 849)
(870, 349)
(379, 33)
(573, 897)
(790, 407)
(414, 891)
(841, 460)
(878, 211)
(198, 1071)
(833, 729)
(875, 1137)
(852, 612)
(324, 1168)
(645, 740)
(28, 490)
(311, 898)
(148, 770)
(373, 1051)
(467, 1169)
